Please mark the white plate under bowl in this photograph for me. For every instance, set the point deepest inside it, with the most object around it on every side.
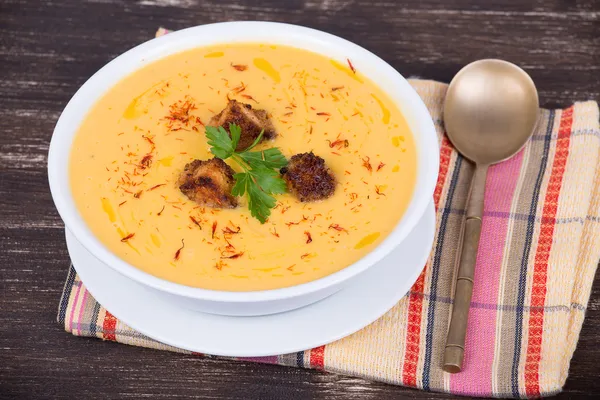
(337, 316)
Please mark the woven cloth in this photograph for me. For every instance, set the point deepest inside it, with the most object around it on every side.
(539, 249)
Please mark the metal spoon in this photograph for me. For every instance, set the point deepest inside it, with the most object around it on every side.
(490, 111)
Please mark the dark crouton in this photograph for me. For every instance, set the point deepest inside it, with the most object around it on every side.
(208, 183)
(308, 178)
(251, 121)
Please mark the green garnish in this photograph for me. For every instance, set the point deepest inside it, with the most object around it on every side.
(260, 178)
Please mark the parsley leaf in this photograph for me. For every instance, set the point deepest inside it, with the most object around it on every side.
(260, 179)
(221, 143)
(260, 203)
(241, 182)
(236, 133)
(270, 158)
(269, 181)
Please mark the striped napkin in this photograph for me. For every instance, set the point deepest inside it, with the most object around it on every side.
(539, 249)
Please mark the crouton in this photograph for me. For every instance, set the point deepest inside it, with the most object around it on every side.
(208, 183)
(252, 122)
(308, 178)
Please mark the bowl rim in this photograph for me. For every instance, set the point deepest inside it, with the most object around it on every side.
(370, 65)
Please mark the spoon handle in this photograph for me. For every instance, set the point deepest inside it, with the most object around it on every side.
(455, 342)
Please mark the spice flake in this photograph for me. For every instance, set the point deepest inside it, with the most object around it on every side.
(126, 238)
(214, 229)
(196, 222)
(338, 228)
(367, 164)
(178, 252)
(145, 162)
(239, 67)
(338, 143)
(234, 256)
(350, 65)
(308, 237)
(219, 265)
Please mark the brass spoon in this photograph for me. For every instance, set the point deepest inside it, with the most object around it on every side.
(490, 111)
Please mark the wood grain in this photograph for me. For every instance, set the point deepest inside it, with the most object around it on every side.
(49, 48)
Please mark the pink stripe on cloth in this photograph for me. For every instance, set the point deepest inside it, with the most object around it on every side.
(74, 306)
(81, 310)
(476, 376)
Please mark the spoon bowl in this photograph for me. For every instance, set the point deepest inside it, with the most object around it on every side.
(490, 110)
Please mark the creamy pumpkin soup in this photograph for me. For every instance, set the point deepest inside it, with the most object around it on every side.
(149, 179)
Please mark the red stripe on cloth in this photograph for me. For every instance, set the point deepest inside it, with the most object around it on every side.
(413, 332)
(415, 305)
(445, 155)
(540, 265)
(108, 327)
(317, 357)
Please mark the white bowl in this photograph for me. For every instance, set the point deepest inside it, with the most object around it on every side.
(255, 302)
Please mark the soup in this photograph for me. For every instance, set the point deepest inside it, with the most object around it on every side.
(129, 153)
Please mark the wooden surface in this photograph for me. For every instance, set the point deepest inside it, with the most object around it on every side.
(49, 48)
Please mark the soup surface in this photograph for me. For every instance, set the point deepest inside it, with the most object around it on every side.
(315, 104)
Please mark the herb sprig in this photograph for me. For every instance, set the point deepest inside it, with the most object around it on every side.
(259, 178)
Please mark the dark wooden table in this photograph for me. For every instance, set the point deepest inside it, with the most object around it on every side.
(49, 48)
